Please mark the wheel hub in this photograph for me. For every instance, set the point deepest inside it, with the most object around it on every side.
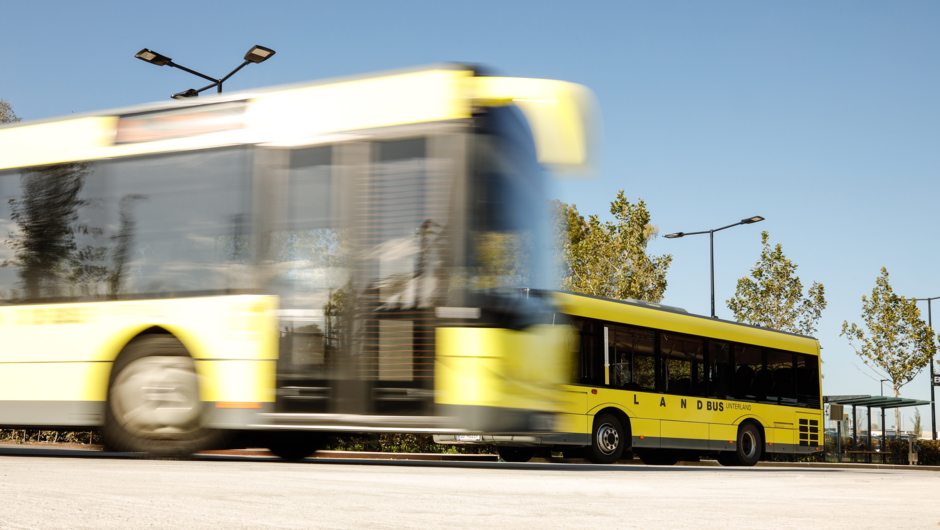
(157, 397)
(608, 439)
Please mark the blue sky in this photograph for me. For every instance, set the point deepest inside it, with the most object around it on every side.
(821, 117)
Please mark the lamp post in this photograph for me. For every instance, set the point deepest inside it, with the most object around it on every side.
(711, 246)
(933, 406)
(257, 55)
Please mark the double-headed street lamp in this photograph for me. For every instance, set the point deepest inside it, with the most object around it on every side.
(257, 54)
(711, 236)
(933, 406)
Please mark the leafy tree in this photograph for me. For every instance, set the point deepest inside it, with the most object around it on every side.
(609, 259)
(773, 295)
(898, 342)
(6, 112)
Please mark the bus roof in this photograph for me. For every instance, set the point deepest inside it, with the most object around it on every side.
(670, 318)
(563, 117)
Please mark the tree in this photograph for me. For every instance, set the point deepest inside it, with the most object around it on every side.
(6, 112)
(898, 342)
(773, 296)
(609, 258)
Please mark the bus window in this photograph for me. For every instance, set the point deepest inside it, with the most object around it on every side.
(781, 387)
(683, 364)
(142, 227)
(632, 360)
(748, 365)
(807, 381)
(719, 370)
(590, 364)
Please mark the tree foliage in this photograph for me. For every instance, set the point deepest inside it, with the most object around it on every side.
(609, 259)
(898, 342)
(6, 112)
(772, 297)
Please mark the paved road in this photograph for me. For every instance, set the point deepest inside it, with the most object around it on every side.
(79, 489)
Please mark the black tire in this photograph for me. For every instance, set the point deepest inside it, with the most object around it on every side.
(294, 446)
(154, 371)
(608, 440)
(516, 454)
(750, 445)
(749, 448)
(659, 457)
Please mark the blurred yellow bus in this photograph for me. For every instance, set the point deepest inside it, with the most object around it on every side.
(673, 386)
(320, 258)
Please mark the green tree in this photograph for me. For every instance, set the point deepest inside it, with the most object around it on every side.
(6, 112)
(773, 295)
(898, 342)
(609, 259)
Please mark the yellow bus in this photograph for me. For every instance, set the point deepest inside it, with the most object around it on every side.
(673, 386)
(326, 257)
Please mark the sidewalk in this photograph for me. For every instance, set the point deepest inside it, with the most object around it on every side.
(452, 457)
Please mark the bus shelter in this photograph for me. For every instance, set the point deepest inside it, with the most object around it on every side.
(870, 402)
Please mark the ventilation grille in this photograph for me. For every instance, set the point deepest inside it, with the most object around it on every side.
(809, 432)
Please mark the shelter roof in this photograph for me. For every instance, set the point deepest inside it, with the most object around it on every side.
(881, 402)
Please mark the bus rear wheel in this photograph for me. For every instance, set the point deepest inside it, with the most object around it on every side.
(749, 448)
(153, 401)
(516, 454)
(608, 440)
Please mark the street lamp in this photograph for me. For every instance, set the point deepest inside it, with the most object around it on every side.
(257, 55)
(711, 243)
(933, 406)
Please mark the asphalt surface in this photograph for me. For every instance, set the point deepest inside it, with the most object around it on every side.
(55, 488)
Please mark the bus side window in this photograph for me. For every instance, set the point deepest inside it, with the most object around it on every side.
(781, 387)
(683, 362)
(720, 370)
(632, 358)
(590, 364)
(807, 381)
(749, 375)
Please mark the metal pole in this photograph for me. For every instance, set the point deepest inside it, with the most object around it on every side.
(711, 251)
(933, 406)
(854, 433)
(883, 432)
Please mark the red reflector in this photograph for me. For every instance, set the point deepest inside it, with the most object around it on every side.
(730, 441)
(642, 437)
(594, 391)
(817, 449)
(771, 443)
(238, 405)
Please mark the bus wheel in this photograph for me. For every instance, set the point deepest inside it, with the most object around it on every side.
(294, 446)
(658, 457)
(516, 454)
(749, 448)
(153, 401)
(607, 440)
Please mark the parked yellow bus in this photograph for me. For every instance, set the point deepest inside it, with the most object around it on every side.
(672, 386)
(319, 258)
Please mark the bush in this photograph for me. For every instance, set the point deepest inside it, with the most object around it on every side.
(21, 436)
(400, 443)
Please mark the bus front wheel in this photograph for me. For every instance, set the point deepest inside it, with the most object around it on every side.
(153, 401)
(608, 440)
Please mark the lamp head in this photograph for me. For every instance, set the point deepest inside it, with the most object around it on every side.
(153, 57)
(259, 54)
(752, 220)
(674, 236)
(191, 93)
